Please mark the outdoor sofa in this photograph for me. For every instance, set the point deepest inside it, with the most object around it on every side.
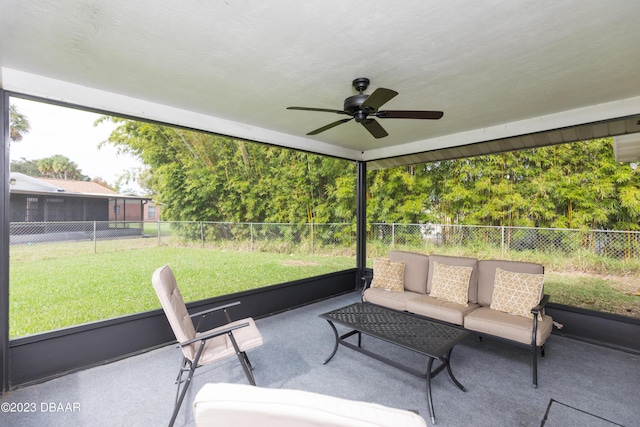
(496, 298)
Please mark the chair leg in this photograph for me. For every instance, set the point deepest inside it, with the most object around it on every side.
(180, 395)
(244, 360)
(193, 364)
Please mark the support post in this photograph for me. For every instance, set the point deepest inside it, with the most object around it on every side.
(361, 221)
(4, 241)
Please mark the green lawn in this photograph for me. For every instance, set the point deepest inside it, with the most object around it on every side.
(58, 287)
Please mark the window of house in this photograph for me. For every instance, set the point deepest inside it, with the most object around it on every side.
(151, 212)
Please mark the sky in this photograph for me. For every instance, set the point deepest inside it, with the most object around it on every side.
(61, 130)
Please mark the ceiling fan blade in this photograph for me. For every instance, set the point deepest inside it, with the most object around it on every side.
(378, 98)
(409, 114)
(324, 110)
(374, 128)
(327, 127)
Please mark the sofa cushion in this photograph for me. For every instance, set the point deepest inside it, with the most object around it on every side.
(516, 293)
(459, 261)
(445, 311)
(394, 300)
(451, 283)
(242, 405)
(415, 270)
(388, 275)
(505, 325)
(487, 274)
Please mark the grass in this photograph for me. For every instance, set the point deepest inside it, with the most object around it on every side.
(59, 285)
(52, 289)
(607, 294)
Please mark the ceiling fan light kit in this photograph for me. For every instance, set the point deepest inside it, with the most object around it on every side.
(361, 107)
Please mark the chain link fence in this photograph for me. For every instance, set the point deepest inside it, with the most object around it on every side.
(332, 238)
(621, 245)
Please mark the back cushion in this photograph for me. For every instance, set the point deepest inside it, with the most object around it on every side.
(487, 275)
(415, 270)
(461, 262)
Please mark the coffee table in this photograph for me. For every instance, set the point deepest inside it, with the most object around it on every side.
(432, 339)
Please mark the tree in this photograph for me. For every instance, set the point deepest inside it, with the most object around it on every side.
(60, 167)
(18, 124)
(27, 167)
(199, 176)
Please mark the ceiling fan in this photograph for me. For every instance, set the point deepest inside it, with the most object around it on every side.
(364, 107)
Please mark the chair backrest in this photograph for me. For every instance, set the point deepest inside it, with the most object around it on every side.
(164, 282)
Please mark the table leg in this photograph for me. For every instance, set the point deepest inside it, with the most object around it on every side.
(460, 386)
(429, 399)
(335, 348)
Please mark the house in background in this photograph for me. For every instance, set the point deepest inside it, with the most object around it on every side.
(51, 202)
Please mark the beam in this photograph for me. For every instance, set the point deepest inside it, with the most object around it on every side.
(4, 241)
(361, 220)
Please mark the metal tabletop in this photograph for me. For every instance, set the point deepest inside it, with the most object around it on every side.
(404, 329)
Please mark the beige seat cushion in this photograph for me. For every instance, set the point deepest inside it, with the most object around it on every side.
(388, 275)
(509, 326)
(415, 270)
(240, 405)
(247, 337)
(446, 311)
(394, 300)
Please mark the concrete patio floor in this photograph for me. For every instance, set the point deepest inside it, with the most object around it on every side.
(579, 383)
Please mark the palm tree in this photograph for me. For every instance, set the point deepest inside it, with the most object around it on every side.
(18, 124)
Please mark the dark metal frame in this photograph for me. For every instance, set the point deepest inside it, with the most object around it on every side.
(4, 241)
(443, 353)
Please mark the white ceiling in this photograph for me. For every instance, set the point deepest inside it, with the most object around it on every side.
(498, 69)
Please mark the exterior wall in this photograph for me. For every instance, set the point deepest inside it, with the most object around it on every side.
(125, 210)
(151, 212)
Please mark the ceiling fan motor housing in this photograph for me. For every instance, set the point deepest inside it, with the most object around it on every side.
(352, 104)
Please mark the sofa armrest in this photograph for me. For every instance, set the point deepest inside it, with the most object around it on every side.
(538, 308)
(366, 283)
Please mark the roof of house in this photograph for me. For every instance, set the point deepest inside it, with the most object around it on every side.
(71, 186)
(21, 183)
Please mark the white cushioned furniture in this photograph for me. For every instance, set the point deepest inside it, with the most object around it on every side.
(239, 405)
(477, 313)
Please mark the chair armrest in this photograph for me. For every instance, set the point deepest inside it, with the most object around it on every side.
(543, 302)
(213, 334)
(217, 308)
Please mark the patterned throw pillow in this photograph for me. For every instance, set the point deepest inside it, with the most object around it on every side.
(388, 275)
(451, 283)
(517, 293)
